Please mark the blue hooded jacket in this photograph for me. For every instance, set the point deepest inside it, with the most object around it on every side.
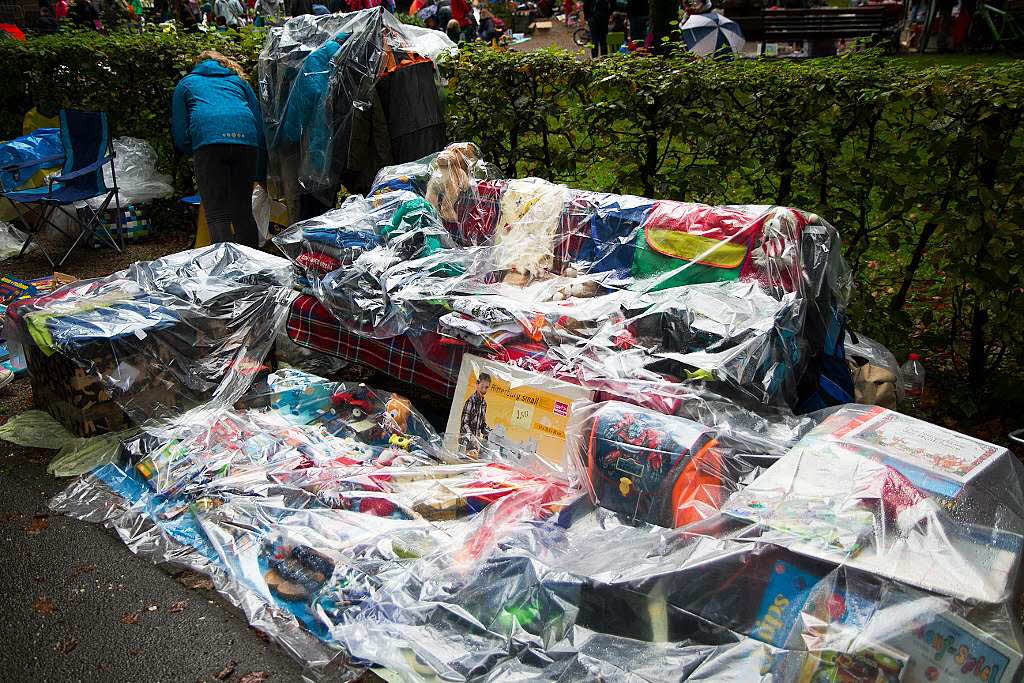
(212, 105)
(304, 110)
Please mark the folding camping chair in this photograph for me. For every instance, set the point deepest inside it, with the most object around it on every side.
(87, 149)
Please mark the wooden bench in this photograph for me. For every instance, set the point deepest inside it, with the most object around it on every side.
(828, 23)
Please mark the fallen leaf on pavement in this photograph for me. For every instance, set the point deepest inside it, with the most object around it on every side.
(227, 671)
(263, 636)
(254, 677)
(66, 646)
(37, 525)
(195, 581)
(83, 569)
(43, 606)
(130, 618)
(179, 606)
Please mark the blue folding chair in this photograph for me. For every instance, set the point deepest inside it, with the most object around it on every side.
(87, 149)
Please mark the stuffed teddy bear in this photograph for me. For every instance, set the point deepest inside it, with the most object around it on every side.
(451, 178)
(873, 385)
(396, 414)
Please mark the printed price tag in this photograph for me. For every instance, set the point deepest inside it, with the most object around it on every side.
(522, 415)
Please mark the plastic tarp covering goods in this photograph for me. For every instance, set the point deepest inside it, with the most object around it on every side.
(653, 469)
(344, 95)
(186, 330)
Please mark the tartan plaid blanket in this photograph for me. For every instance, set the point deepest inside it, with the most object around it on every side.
(312, 326)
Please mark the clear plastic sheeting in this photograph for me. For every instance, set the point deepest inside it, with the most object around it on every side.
(619, 293)
(878, 548)
(11, 241)
(138, 181)
(160, 337)
(344, 95)
(877, 378)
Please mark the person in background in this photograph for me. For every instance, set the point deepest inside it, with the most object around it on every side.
(488, 27)
(60, 9)
(231, 10)
(84, 14)
(297, 8)
(453, 30)
(186, 16)
(47, 20)
(462, 12)
(444, 14)
(216, 119)
(320, 10)
(597, 12)
(639, 15)
(269, 10)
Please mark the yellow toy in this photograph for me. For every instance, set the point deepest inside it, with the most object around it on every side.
(399, 441)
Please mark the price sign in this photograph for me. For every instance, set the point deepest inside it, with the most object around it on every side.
(522, 415)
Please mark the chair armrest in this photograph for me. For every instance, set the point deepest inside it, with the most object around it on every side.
(32, 162)
(85, 170)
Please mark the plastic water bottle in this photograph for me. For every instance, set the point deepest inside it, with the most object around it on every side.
(913, 380)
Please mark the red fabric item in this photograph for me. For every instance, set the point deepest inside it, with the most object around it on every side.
(462, 13)
(477, 213)
(13, 31)
(416, 6)
(322, 263)
(312, 326)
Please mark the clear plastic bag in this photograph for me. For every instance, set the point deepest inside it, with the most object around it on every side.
(874, 538)
(746, 302)
(11, 241)
(160, 337)
(261, 212)
(344, 95)
(877, 379)
(138, 181)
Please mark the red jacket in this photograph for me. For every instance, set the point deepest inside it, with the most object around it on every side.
(462, 13)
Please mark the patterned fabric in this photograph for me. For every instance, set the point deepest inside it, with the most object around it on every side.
(312, 326)
(473, 429)
(651, 467)
(137, 226)
(477, 213)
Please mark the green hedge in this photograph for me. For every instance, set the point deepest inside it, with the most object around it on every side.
(920, 169)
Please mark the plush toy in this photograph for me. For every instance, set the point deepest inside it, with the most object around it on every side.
(451, 178)
(873, 384)
(576, 289)
(396, 414)
(524, 238)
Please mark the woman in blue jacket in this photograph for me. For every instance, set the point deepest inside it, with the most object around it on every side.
(216, 118)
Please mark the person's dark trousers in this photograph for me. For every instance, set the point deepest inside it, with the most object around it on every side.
(638, 28)
(598, 36)
(225, 174)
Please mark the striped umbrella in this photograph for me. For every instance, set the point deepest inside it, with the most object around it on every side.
(711, 33)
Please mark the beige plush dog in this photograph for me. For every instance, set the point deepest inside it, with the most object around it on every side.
(450, 178)
(873, 385)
